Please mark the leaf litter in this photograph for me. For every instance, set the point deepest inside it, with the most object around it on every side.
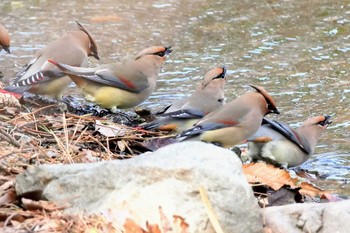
(43, 136)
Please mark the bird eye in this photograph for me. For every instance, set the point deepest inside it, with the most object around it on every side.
(161, 54)
(221, 100)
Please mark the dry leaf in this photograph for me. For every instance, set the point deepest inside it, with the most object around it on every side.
(40, 205)
(268, 175)
(153, 228)
(8, 197)
(180, 225)
(8, 99)
(131, 227)
(121, 145)
(276, 178)
(110, 130)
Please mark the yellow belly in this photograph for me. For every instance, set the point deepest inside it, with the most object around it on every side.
(109, 97)
(52, 88)
(227, 137)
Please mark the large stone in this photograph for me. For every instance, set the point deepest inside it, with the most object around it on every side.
(169, 177)
(331, 217)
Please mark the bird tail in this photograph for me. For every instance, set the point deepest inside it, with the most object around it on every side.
(189, 133)
(16, 89)
(150, 125)
(67, 69)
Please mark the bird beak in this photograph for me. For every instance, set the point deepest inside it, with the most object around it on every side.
(168, 50)
(7, 49)
(327, 121)
(275, 111)
(95, 55)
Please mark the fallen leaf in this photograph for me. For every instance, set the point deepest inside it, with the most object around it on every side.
(180, 225)
(41, 205)
(153, 228)
(131, 227)
(268, 175)
(276, 178)
(9, 99)
(110, 130)
(8, 197)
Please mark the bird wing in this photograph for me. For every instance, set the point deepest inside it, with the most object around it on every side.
(289, 133)
(201, 127)
(23, 81)
(134, 81)
(131, 84)
(182, 109)
(24, 69)
(187, 112)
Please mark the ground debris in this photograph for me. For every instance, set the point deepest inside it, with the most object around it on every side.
(278, 186)
(34, 138)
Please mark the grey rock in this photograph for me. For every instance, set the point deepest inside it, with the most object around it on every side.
(330, 217)
(169, 177)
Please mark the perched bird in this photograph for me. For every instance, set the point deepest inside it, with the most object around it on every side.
(278, 143)
(4, 39)
(208, 96)
(119, 85)
(73, 48)
(235, 121)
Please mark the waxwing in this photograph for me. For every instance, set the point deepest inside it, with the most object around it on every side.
(208, 96)
(234, 122)
(73, 48)
(119, 85)
(4, 39)
(278, 143)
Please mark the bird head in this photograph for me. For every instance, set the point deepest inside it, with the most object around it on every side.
(318, 121)
(218, 73)
(92, 46)
(157, 52)
(4, 39)
(270, 103)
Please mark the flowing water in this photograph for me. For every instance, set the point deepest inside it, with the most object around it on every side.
(297, 50)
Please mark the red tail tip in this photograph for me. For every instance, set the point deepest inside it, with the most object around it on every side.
(18, 96)
(53, 62)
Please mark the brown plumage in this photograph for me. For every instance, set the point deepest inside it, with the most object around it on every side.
(72, 48)
(119, 85)
(4, 39)
(208, 96)
(234, 122)
(277, 142)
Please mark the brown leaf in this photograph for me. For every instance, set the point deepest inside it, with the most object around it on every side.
(276, 178)
(308, 189)
(110, 130)
(180, 225)
(131, 227)
(40, 205)
(8, 197)
(268, 174)
(153, 228)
